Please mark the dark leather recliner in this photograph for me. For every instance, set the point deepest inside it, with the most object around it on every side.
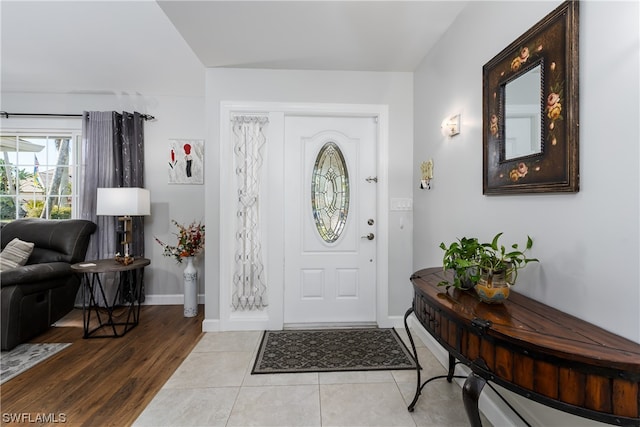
(41, 292)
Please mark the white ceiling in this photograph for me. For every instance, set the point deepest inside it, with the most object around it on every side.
(160, 47)
(95, 46)
(320, 35)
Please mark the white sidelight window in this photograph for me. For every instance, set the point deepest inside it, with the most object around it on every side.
(249, 285)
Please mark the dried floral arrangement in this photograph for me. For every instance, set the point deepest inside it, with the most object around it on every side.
(190, 241)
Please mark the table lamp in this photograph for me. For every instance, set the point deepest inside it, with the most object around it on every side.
(124, 202)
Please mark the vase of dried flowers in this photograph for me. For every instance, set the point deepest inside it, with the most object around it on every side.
(190, 244)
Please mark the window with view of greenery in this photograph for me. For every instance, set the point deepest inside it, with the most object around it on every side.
(39, 175)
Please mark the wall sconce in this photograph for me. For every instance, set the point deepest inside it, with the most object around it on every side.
(451, 126)
(427, 174)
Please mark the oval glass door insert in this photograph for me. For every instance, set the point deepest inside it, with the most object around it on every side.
(330, 192)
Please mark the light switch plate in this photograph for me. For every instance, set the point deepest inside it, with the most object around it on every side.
(401, 204)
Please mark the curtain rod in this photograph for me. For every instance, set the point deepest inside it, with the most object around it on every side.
(6, 115)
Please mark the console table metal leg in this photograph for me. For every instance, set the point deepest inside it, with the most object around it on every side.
(415, 357)
(450, 375)
(452, 367)
(470, 394)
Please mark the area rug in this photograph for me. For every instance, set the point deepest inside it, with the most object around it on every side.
(25, 356)
(331, 350)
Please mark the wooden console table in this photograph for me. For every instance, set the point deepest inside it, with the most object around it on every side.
(531, 349)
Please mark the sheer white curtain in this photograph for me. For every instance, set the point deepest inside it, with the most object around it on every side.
(249, 285)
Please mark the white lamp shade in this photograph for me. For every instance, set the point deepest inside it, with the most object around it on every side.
(129, 201)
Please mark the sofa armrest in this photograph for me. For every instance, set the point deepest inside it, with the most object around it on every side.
(33, 273)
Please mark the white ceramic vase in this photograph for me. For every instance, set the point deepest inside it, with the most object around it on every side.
(190, 289)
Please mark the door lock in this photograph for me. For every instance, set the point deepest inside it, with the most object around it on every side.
(370, 221)
(369, 236)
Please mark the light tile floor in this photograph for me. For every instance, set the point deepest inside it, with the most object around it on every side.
(214, 387)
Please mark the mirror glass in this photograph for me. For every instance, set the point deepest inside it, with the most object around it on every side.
(522, 135)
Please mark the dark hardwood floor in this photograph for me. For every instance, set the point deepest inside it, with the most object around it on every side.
(102, 381)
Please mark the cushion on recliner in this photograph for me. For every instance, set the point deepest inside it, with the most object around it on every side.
(31, 274)
(55, 239)
(15, 254)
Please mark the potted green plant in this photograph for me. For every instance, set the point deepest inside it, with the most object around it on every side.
(496, 259)
(461, 256)
(490, 267)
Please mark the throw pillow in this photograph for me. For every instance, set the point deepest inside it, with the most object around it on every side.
(15, 254)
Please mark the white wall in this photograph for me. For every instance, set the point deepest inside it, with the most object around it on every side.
(176, 117)
(393, 89)
(587, 243)
(583, 240)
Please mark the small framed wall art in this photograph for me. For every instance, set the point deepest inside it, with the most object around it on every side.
(186, 161)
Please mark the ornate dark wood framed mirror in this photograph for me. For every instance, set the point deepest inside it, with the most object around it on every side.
(530, 110)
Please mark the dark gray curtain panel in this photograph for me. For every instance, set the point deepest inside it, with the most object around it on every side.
(129, 168)
(113, 149)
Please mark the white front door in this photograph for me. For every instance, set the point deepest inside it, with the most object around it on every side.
(330, 226)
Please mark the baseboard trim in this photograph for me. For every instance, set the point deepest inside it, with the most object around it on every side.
(259, 322)
(210, 325)
(172, 299)
(395, 322)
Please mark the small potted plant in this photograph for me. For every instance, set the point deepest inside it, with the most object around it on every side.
(496, 259)
(491, 267)
(461, 257)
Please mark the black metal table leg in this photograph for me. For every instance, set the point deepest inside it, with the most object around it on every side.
(128, 294)
(419, 386)
(470, 394)
(90, 286)
(415, 358)
(132, 306)
(452, 367)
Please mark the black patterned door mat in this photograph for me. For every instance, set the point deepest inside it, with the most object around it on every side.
(331, 350)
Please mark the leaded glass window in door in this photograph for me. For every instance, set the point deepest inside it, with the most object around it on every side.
(330, 192)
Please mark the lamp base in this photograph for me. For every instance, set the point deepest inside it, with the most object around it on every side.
(124, 260)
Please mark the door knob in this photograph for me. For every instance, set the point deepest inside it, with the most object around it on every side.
(369, 236)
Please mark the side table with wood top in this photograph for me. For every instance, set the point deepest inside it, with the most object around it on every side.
(129, 287)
